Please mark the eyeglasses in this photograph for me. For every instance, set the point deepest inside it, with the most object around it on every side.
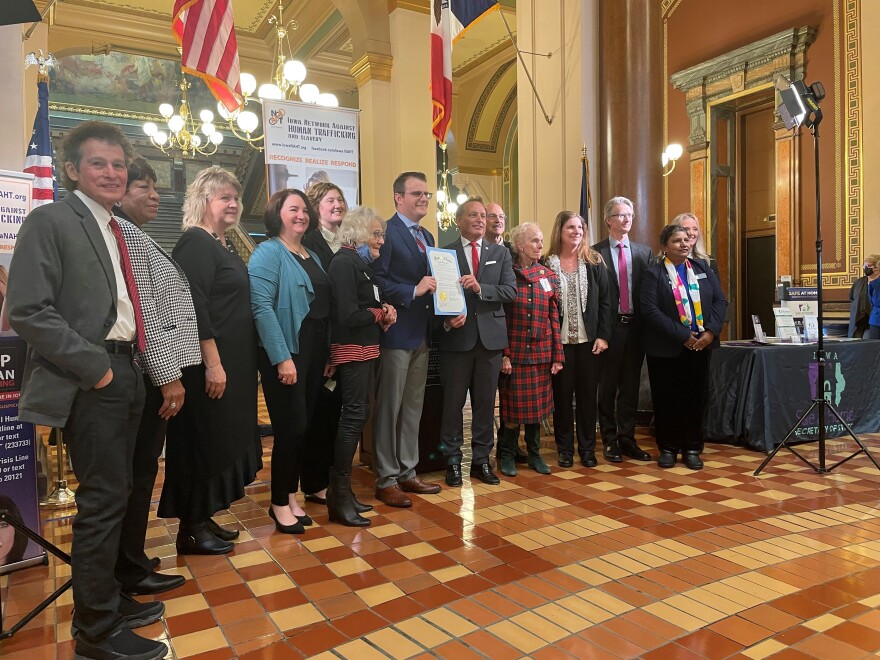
(622, 216)
(420, 193)
(377, 234)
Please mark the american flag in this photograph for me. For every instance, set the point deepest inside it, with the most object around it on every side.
(39, 159)
(206, 32)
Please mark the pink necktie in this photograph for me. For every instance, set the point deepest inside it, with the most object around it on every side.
(130, 285)
(622, 279)
(475, 258)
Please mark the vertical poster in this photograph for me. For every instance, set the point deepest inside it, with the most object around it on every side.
(18, 456)
(307, 144)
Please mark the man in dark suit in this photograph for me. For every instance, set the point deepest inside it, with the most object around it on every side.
(471, 344)
(73, 299)
(619, 384)
(402, 273)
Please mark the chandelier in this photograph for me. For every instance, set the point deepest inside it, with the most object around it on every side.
(287, 83)
(183, 132)
(446, 208)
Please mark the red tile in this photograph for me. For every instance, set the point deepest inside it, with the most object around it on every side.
(317, 639)
(227, 595)
(708, 644)
(359, 624)
(281, 600)
(435, 596)
(398, 609)
(184, 624)
(277, 651)
(857, 635)
(490, 646)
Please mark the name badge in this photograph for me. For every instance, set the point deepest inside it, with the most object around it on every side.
(489, 263)
(545, 284)
(376, 293)
(701, 276)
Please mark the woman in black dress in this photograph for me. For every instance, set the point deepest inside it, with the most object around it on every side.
(213, 446)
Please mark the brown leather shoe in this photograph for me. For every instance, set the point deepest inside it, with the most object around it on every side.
(416, 485)
(393, 496)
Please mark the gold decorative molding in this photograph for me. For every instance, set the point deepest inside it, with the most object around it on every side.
(420, 6)
(372, 66)
(479, 171)
(104, 112)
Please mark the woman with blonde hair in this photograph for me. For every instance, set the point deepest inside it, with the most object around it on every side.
(690, 224)
(587, 321)
(213, 446)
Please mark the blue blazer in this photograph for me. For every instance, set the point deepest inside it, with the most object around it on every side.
(281, 292)
(874, 319)
(663, 334)
(400, 266)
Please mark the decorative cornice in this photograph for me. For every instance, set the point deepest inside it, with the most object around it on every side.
(372, 66)
(420, 6)
(786, 43)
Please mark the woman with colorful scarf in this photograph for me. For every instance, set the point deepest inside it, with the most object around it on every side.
(683, 309)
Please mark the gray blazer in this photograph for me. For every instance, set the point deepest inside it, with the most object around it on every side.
(61, 300)
(486, 321)
(172, 334)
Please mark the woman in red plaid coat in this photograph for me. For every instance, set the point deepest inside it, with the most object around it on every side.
(534, 353)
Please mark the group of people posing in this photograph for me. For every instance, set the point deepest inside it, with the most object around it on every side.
(131, 349)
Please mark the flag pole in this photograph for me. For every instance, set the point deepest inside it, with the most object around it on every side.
(519, 54)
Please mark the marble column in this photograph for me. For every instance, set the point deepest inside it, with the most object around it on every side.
(631, 110)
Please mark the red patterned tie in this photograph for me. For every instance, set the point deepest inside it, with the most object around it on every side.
(128, 275)
(623, 279)
(475, 258)
(417, 232)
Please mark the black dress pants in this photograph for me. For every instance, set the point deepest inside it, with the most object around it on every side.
(291, 408)
(132, 565)
(101, 434)
(577, 382)
(679, 390)
(356, 381)
(619, 384)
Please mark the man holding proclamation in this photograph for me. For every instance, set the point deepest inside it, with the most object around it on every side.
(471, 344)
(402, 273)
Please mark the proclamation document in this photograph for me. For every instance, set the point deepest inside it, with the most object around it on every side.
(449, 296)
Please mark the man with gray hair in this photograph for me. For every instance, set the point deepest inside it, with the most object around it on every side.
(619, 384)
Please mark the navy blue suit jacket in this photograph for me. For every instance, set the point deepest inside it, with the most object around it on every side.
(664, 335)
(399, 268)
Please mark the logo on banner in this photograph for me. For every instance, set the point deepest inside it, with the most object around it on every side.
(276, 116)
(835, 382)
(12, 357)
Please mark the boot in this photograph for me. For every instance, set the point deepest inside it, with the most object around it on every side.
(507, 451)
(533, 446)
(340, 501)
(360, 507)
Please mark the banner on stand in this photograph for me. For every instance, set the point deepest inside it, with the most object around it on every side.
(18, 455)
(307, 144)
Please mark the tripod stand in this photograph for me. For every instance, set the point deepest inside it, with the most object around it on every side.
(794, 112)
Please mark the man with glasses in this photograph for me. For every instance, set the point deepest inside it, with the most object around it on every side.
(619, 384)
(403, 276)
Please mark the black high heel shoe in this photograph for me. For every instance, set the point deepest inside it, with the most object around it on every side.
(296, 528)
(198, 540)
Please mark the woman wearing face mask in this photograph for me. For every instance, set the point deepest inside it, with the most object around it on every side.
(859, 298)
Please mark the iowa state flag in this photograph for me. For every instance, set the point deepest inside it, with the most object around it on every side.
(449, 21)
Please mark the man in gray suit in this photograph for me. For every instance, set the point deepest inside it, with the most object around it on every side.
(73, 299)
(471, 344)
(619, 384)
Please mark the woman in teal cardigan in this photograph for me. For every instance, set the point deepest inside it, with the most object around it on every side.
(290, 298)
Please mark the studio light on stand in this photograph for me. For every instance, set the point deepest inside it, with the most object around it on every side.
(800, 107)
(287, 83)
(671, 154)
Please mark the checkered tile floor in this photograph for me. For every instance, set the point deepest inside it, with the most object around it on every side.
(621, 561)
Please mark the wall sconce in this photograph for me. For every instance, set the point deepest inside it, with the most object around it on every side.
(671, 154)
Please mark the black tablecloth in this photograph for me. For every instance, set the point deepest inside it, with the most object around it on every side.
(757, 393)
